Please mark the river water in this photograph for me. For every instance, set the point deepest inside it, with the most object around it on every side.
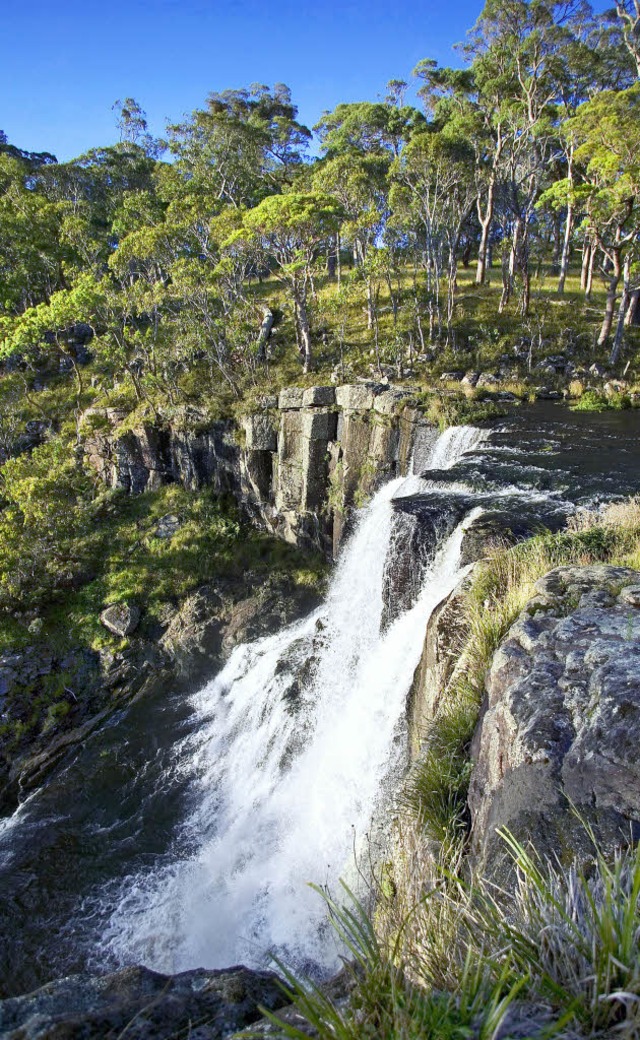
(184, 833)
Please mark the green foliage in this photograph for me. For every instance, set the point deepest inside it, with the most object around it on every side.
(593, 401)
(455, 409)
(43, 525)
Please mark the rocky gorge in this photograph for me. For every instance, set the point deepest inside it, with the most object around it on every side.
(556, 724)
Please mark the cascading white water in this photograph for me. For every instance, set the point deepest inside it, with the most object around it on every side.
(453, 444)
(287, 784)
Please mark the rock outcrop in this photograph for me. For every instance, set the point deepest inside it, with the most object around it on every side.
(194, 638)
(297, 465)
(560, 732)
(143, 1005)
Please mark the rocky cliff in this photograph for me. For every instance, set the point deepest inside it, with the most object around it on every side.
(297, 464)
(554, 755)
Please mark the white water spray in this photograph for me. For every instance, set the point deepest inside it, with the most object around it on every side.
(287, 777)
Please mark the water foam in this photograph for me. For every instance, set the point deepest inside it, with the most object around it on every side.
(284, 789)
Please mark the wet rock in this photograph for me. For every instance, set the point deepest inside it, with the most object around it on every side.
(143, 1005)
(193, 635)
(562, 721)
(168, 526)
(122, 619)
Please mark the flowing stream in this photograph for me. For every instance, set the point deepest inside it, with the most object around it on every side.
(185, 832)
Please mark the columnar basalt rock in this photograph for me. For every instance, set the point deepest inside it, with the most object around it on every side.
(298, 465)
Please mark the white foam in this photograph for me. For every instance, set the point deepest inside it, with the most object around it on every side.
(281, 797)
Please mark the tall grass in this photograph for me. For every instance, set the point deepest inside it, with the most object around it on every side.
(560, 953)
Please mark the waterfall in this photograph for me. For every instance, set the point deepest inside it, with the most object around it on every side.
(453, 444)
(297, 740)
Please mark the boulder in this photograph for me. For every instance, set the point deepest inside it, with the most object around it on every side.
(143, 1005)
(598, 370)
(487, 380)
(561, 727)
(470, 379)
(122, 619)
(391, 401)
(357, 397)
(168, 526)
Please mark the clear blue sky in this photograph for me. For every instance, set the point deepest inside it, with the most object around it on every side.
(64, 63)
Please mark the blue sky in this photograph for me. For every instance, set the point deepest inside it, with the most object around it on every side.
(65, 63)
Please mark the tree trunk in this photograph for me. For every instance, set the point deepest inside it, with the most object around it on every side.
(338, 259)
(592, 260)
(557, 252)
(485, 219)
(632, 317)
(622, 310)
(509, 267)
(610, 305)
(265, 332)
(566, 249)
(370, 315)
(587, 250)
(305, 332)
(522, 257)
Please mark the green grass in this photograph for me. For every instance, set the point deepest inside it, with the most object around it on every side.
(594, 401)
(563, 945)
(122, 560)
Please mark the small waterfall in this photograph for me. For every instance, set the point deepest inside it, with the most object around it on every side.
(298, 738)
(453, 444)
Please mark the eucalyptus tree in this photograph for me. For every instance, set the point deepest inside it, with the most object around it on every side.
(288, 230)
(434, 185)
(518, 52)
(606, 135)
(628, 12)
(244, 145)
(31, 254)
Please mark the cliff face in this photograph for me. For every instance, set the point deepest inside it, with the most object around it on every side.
(555, 747)
(297, 465)
(558, 738)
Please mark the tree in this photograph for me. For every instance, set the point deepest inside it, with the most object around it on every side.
(606, 134)
(437, 189)
(628, 12)
(288, 230)
(244, 145)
